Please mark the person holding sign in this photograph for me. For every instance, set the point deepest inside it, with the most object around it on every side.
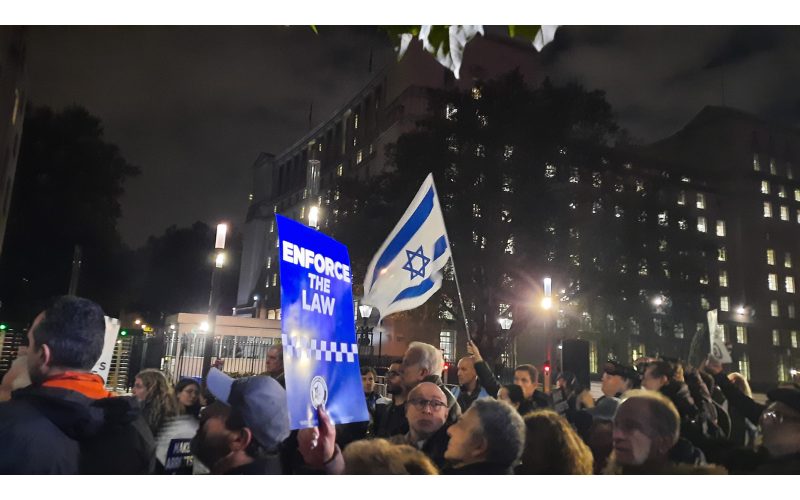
(65, 422)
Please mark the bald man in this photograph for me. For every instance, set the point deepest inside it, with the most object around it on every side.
(427, 411)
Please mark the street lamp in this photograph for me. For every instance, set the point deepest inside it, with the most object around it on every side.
(365, 332)
(505, 325)
(547, 304)
(213, 300)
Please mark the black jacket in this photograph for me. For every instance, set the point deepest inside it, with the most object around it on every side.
(269, 465)
(390, 420)
(433, 447)
(50, 430)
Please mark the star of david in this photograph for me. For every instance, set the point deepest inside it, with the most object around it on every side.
(409, 266)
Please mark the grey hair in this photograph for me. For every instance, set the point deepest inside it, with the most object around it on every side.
(503, 430)
(428, 357)
(664, 419)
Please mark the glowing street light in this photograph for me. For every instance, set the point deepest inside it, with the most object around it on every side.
(138, 322)
(220, 260)
(204, 326)
(547, 303)
(741, 310)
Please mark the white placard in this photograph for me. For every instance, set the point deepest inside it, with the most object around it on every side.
(718, 349)
(104, 363)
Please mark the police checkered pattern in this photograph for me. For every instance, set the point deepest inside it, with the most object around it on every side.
(300, 347)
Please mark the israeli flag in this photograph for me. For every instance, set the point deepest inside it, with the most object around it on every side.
(406, 270)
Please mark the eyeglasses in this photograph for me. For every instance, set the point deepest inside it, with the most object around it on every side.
(421, 404)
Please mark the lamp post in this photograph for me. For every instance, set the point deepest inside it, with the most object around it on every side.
(365, 332)
(213, 299)
(547, 304)
(505, 325)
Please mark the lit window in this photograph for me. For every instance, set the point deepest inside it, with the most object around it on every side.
(596, 207)
(704, 305)
(657, 326)
(789, 284)
(797, 195)
(701, 224)
(510, 246)
(505, 216)
(773, 309)
(662, 219)
(274, 279)
(790, 311)
(573, 205)
(508, 151)
(722, 254)
(741, 334)
(480, 151)
(724, 304)
(302, 211)
(476, 211)
(682, 224)
(793, 338)
(272, 225)
(476, 93)
(371, 149)
(643, 268)
(269, 262)
(506, 184)
(772, 168)
(336, 195)
(772, 281)
(597, 180)
(704, 279)
(573, 176)
(701, 201)
(767, 209)
(677, 330)
(359, 157)
(756, 163)
(682, 198)
(723, 278)
(355, 122)
(764, 187)
(618, 211)
(784, 213)
(770, 257)
(798, 216)
(781, 192)
(744, 365)
(787, 260)
(250, 197)
(339, 170)
(450, 111)
(721, 228)
(483, 120)
(776, 338)
(662, 245)
(724, 332)
(549, 171)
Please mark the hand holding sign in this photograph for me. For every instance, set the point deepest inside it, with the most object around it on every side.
(317, 445)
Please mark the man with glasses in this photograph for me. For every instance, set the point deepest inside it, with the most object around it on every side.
(424, 363)
(426, 411)
(390, 419)
(778, 421)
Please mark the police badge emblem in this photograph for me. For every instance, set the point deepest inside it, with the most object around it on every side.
(319, 392)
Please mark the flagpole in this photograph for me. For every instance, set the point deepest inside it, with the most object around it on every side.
(453, 261)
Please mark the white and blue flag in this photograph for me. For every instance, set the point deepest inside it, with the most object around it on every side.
(406, 270)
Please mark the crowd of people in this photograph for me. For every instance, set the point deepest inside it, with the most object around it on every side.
(657, 417)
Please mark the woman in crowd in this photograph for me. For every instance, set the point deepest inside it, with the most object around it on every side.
(156, 397)
(187, 391)
(553, 447)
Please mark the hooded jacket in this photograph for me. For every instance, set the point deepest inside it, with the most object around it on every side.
(55, 430)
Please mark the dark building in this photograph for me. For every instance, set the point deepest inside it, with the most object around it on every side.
(640, 243)
(12, 113)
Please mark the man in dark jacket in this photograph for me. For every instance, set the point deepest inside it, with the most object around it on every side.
(390, 419)
(426, 410)
(475, 378)
(242, 431)
(66, 422)
(488, 439)
(527, 377)
(424, 363)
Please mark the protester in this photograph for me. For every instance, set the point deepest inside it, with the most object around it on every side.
(390, 419)
(553, 447)
(241, 432)
(157, 398)
(513, 395)
(187, 391)
(646, 428)
(65, 422)
(487, 439)
(275, 364)
(427, 415)
(469, 387)
(576, 396)
(379, 456)
(373, 397)
(424, 363)
(743, 431)
(617, 378)
(527, 377)
(485, 377)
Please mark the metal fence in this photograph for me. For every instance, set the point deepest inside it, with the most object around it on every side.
(237, 355)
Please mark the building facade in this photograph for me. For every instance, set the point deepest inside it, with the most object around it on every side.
(12, 113)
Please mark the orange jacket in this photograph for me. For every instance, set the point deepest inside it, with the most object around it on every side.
(88, 384)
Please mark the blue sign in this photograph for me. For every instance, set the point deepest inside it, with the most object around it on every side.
(320, 354)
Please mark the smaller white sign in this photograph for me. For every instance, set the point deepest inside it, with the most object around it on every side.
(103, 364)
(718, 348)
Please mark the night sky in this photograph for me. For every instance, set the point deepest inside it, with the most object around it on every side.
(193, 107)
